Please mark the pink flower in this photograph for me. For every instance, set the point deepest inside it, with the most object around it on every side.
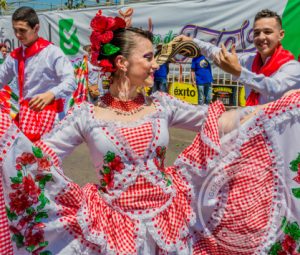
(34, 235)
(109, 180)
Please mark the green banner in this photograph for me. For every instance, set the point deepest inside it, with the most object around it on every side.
(291, 23)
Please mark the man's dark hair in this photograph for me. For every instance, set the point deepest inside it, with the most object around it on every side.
(266, 13)
(26, 14)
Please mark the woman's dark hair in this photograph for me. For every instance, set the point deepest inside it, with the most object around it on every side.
(125, 39)
(266, 13)
(26, 14)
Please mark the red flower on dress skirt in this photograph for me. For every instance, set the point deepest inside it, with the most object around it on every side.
(34, 235)
(289, 244)
(116, 164)
(282, 253)
(44, 164)
(109, 179)
(30, 188)
(18, 167)
(26, 158)
(19, 201)
(24, 221)
(297, 178)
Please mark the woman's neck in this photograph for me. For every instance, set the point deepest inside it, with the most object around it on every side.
(123, 90)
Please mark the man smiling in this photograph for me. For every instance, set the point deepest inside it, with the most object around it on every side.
(270, 72)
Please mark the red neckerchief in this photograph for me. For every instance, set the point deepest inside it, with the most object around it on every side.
(279, 58)
(32, 50)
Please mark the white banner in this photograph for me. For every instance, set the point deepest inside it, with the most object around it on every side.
(217, 21)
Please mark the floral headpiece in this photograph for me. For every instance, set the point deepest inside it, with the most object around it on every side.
(102, 34)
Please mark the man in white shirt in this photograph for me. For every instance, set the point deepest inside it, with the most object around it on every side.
(270, 72)
(47, 72)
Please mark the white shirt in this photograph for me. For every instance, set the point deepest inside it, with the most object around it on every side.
(271, 88)
(49, 70)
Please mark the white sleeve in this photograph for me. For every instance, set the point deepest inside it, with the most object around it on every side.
(70, 132)
(7, 71)
(207, 49)
(65, 74)
(286, 78)
(181, 114)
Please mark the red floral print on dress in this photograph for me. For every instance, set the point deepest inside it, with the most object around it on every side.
(112, 162)
(290, 241)
(27, 202)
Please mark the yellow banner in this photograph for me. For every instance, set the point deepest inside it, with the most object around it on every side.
(184, 91)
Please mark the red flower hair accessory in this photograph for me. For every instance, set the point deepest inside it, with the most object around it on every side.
(102, 34)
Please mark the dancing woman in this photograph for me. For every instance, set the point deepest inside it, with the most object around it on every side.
(139, 206)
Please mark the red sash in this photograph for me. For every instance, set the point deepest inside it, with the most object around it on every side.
(32, 123)
(279, 58)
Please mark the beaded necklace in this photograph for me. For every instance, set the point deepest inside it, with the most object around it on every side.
(125, 108)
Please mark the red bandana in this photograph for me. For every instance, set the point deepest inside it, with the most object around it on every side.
(35, 48)
(279, 58)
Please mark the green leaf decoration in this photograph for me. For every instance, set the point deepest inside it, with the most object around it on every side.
(44, 180)
(296, 192)
(30, 210)
(45, 253)
(276, 247)
(294, 164)
(43, 200)
(285, 226)
(16, 180)
(72, 102)
(19, 174)
(109, 49)
(294, 231)
(30, 248)
(43, 244)
(40, 216)
(106, 170)
(19, 240)
(37, 152)
(169, 183)
(11, 215)
(109, 157)
(103, 183)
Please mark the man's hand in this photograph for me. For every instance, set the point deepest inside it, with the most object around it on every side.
(39, 102)
(182, 38)
(228, 62)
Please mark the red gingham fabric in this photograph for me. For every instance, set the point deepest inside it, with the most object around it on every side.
(283, 103)
(141, 195)
(144, 135)
(5, 242)
(199, 152)
(248, 207)
(34, 124)
(46, 149)
(170, 222)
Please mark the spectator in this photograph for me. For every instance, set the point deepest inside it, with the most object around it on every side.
(3, 52)
(201, 75)
(161, 78)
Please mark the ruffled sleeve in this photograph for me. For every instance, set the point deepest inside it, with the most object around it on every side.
(181, 114)
(69, 133)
